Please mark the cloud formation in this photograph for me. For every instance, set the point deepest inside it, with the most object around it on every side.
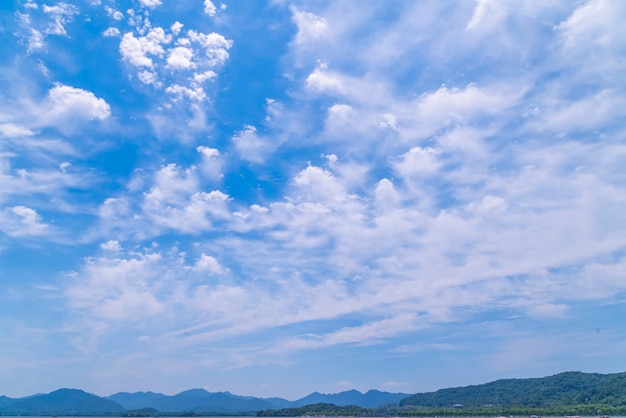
(397, 185)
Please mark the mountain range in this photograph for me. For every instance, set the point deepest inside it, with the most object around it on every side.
(596, 392)
(78, 402)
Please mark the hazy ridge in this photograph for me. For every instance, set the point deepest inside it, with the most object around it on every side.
(589, 392)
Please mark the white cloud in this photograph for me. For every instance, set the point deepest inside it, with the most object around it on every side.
(487, 12)
(310, 26)
(68, 103)
(136, 50)
(111, 32)
(115, 14)
(65, 165)
(149, 77)
(64, 108)
(111, 245)
(183, 67)
(35, 40)
(418, 162)
(251, 146)
(211, 162)
(175, 202)
(180, 57)
(150, 3)
(387, 197)
(176, 28)
(319, 185)
(596, 23)
(117, 289)
(215, 46)
(456, 104)
(324, 81)
(22, 221)
(37, 182)
(202, 77)
(364, 334)
(209, 264)
(209, 8)
(38, 26)
(11, 130)
(208, 153)
(587, 113)
(61, 14)
(195, 93)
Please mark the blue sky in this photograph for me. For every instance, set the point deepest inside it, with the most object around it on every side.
(275, 198)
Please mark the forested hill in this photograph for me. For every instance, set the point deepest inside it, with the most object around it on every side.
(570, 388)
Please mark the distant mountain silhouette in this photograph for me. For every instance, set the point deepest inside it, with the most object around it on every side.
(225, 402)
(196, 400)
(60, 402)
(199, 400)
(280, 402)
(138, 400)
(370, 399)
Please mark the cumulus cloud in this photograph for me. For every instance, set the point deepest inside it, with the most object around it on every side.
(175, 60)
(209, 8)
(180, 57)
(117, 288)
(209, 264)
(68, 102)
(215, 46)
(136, 50)
(111, 32)
(321, 80)
(175, 202)
(176, 28)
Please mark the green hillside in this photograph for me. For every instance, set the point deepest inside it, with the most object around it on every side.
(570, 392)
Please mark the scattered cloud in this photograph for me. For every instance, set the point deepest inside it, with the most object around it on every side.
(38, 23)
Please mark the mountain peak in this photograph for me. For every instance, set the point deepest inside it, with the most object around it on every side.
(195, 391)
